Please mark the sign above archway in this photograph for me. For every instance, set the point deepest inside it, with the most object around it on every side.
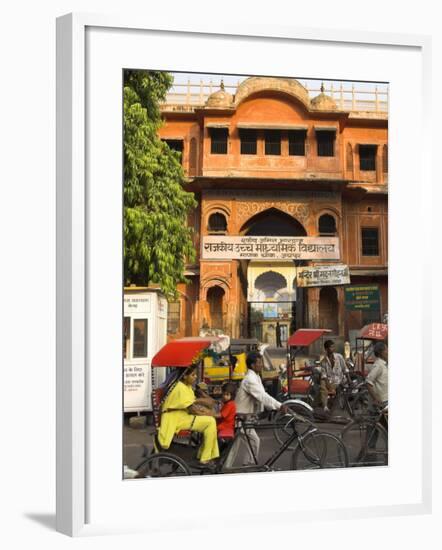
(269, 248)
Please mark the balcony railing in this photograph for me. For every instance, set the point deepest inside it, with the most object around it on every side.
(191, 95)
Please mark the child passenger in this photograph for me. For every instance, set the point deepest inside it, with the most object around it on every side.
(226, 417)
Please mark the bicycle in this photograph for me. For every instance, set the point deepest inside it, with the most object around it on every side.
(366, 439)
(351, 398)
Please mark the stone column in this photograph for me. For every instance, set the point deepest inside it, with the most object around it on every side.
(313, 307)
(341, 311)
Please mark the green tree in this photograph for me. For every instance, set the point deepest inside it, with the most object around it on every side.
(157, 240)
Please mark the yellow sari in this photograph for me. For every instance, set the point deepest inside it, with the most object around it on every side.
(175, 417)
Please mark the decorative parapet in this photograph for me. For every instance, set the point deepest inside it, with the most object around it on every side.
(359, 103)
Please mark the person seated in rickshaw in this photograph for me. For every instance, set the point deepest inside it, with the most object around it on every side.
(182, 410)
(226, 416)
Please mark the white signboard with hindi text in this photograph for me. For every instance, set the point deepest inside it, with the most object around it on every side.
(269, 248)
(323, 275)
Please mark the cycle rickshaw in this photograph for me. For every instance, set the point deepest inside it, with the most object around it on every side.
(368, 336)
(313, 449)
(302, 384)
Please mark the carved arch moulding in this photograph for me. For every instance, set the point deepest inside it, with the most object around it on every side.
(246, 210)
(210, 207)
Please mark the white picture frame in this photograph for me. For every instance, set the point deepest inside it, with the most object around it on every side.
(92, 50)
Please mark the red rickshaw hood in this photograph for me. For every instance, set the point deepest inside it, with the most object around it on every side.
(306, 336)
(374, 331)
(181, 352)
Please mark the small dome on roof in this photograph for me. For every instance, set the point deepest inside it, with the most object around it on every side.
(323, 102)
(220, 98)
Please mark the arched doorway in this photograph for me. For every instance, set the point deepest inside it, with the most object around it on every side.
(215, 299)
(328, 309)
(273, 295)
(271, 288)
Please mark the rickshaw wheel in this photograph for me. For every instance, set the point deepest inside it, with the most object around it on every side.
(163, 465)
(320, 450)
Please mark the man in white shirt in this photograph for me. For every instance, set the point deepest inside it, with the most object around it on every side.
(377, 385)
(333, 372)
(251, 398)
(377, 378)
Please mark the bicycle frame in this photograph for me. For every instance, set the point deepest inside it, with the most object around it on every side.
(241, 432)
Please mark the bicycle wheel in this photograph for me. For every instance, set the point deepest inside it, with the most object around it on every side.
(320, 450)
(163, 465)
(285, 425)
(366, 443)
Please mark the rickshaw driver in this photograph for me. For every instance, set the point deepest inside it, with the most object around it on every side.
(251, 398)
(177, 415)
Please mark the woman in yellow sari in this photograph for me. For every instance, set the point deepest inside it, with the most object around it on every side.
(177, 416)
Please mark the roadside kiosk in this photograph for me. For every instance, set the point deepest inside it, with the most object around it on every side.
(144, 333)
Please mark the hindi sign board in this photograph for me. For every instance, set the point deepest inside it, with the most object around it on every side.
(269, 248)
(363, 297)
(323, 275)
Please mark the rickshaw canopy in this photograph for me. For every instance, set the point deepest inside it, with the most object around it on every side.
(374, 331)
(306, 336)
(182, 352)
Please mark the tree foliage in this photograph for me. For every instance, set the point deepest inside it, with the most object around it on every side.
(157, 240)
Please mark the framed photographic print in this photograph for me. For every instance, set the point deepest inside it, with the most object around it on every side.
(234, 274)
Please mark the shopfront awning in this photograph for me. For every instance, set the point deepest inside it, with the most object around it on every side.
(306, 336)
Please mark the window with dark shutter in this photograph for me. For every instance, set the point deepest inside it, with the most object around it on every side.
(297, 142)
(218, 143)
(326, 143)
(248, 142)
(272, 142)
(367, 157)
(370, 241)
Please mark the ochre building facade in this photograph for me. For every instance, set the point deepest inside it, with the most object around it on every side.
(269, 160)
